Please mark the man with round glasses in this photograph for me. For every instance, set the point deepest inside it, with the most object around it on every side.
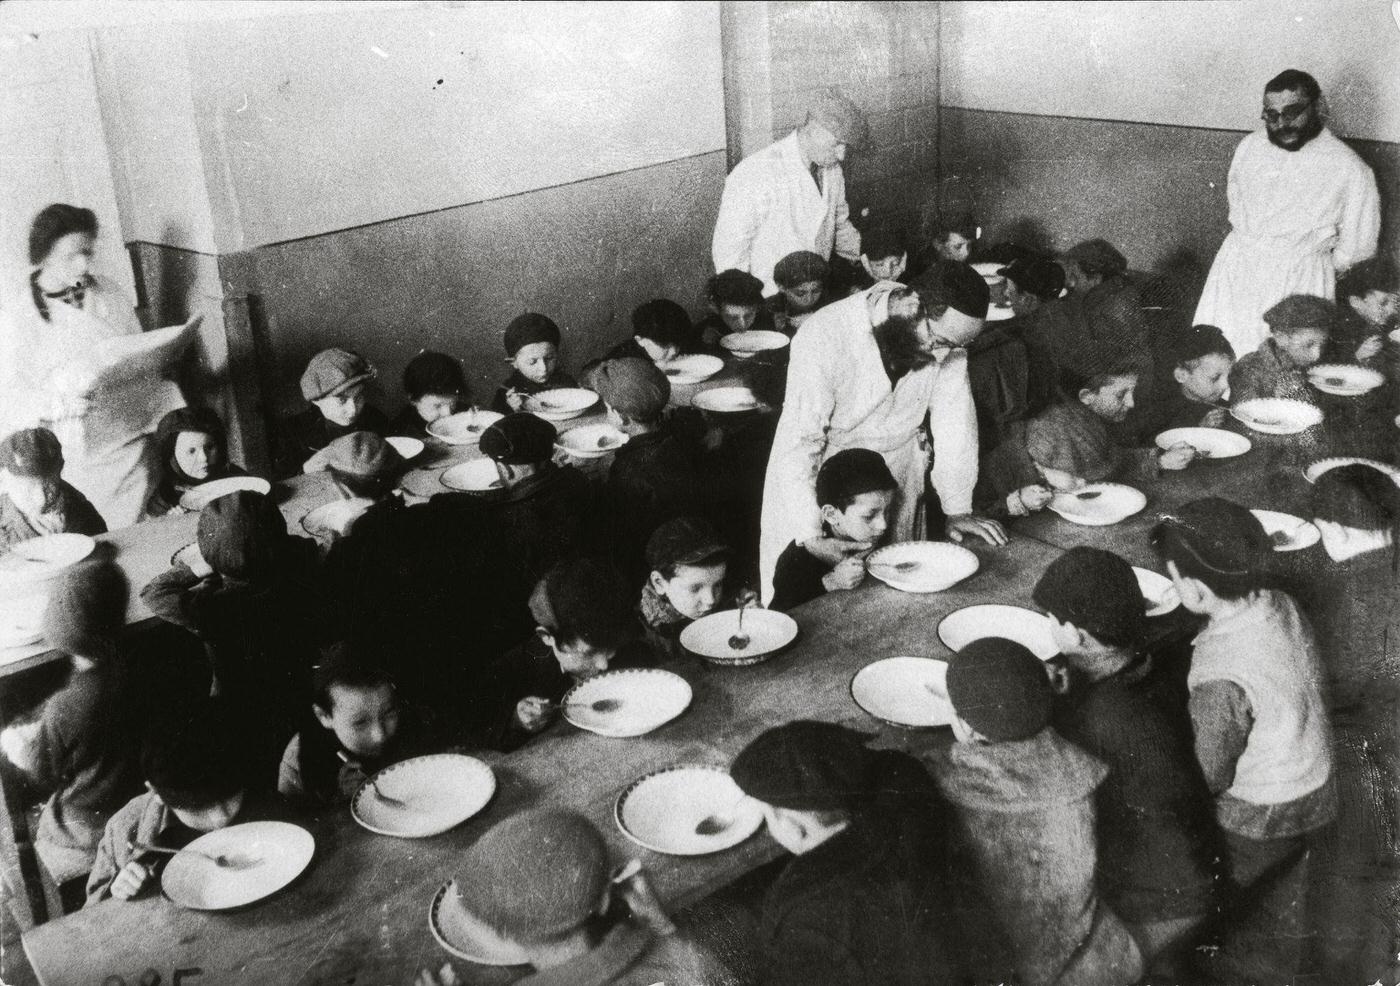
(1303, 206)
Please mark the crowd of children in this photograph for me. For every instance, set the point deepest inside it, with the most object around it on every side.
(1087, 828)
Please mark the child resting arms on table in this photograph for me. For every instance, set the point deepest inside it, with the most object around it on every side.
(688, 564)
(854, 491)
(34, 499)
(532, 352)
(1194, 395)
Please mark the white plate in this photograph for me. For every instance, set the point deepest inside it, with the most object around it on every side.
(999, 313)
(1287, 532)
(335, 518)
(726, 399)
(1114, 503)
(591, 441)
(989, 271)
(647, 698)
(1277, 415)
(561, 404)
(754, 341)
(405, 446)
(22, 620)
(476, 476)
(464, 427)
(44, 558)
(1343, 380)
(1157, 591)
(466, 937)
(1209, 443)
(691, 369)
(190, 557)
(904, 691)
(283, 851)
(1324, 465)
(660, 810)
(768, 631)
(1025, 626)
(197, 497)
(442, 790)
(938, 565)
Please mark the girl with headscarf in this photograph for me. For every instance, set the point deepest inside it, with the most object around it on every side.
(192, 444)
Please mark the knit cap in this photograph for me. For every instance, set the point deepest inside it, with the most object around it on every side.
(1357, 496)
(631, 386)
(1043, 278)
(1198, 341)
(807, 766)
(332, 371)
(840, 116)
(736, 287)
(536, 875)
(1301, 311)
(799, 267)
(851, 472)
(683, 541)
(1098, 592)
(239, 534)
(433, 373)
(363, 453)
(1071, 438)
(1223, 537)
(86, 609)
(528, 329)
(32, 452)
(949, 284)
(1000, 689)
(519, 440)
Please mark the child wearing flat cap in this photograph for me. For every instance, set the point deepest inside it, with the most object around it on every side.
(1158, 843)
(435, 387)
(1023, 799)
(857, 903)
(335, 384)
(801, 277)
(1299, 329)
(34, 499)
(532, 350)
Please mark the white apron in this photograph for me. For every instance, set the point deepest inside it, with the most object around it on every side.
(1296, 218)
(107, 453)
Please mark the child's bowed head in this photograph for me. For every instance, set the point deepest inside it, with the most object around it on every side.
(86, 610)
(240, 535)
(634, 389)
(1068, 448)
(1216, 543)
(1000, 691)
(1097, 592)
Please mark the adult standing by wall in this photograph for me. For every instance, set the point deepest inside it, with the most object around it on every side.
(50, 338)
(867, 372)
(1303, 206)
(791, 195)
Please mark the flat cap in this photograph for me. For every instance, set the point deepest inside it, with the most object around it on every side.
(332, 371)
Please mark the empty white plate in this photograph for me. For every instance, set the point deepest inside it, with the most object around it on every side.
(746, 344)
(1209, 443)
(726, 399)
(279, 852)
(642, 699)
(196, 497)
(190, 557)
(1277, 415)
(1025, 626)
(1157, 590)
(921, 566)
(405, 446)
(1323, 465)
(43, 558)
(22, 619)
(905, 691)
(661, 810)
(466, 936)
(1098, 504)
(476, 476)
(591, 441)
(464, 427)
(560, 404)
(767, 631)
(692, 369)
(334, 519)
(1344, 380)
(439, 792)
(1288, 533)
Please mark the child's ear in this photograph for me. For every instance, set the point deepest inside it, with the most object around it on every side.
(658, 583)
(323, 716)
(1179, 375)
(1085, 394)
(545, 636)
(830, 514)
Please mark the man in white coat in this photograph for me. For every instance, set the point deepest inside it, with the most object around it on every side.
(867, 372)
(791, 196)
(1303, 206)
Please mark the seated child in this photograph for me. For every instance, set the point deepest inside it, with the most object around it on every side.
(435, 387)
(365, 470)
(532, 349)
(80, 743)
(1023, 793)
(884, 255)
(854, 491)
(34, 499)
(856, 904)
(1193, 397)
(363, 728)
(801, 278)
(953, 238)
(1157, 838)
(661, 331)
(193, 447)
(541, 881)
(1368, 296)
(736, 305)
(688, 565)
(1299, 328)
(196, 783)
(1030, 283)
(335, 384)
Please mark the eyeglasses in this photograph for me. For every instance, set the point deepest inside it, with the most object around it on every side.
(1289, 114)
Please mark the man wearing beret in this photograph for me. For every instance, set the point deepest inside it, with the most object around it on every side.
(867, 372)
(791, 195)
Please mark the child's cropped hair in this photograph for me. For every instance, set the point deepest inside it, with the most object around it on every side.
(194, 763)
(684, 541)
(1197, 343)
(584, 600)
(662, 321)
(849, 473)
(1218, 543)
(345, 665)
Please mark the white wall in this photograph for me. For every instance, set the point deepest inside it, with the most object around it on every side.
(1197, 63)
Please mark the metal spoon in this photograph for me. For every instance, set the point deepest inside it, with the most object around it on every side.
(740, 640)
(221, 861)
(1088, 495)
(374, 786)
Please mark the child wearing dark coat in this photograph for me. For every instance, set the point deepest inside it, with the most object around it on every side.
(532, 350)
(34, 499)
(688, 566)
(1299, 329)
(1193, 396)
(193, 447)
(435, 388)
(336, 384)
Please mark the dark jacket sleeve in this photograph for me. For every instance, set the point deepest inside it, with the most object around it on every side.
(168, 596)
(797, 578)
(80, 516)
